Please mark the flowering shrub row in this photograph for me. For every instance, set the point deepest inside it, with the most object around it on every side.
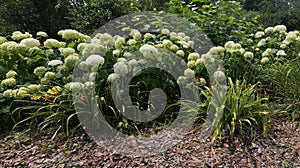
(41, 69)
(250, 58)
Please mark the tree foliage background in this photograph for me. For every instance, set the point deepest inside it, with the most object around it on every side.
(276, 12)
(88, 15)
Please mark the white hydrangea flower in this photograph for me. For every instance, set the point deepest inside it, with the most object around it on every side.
(131, 42)
(181, 34)
(200, 62)
(202, 82)
(127, 54)
(9, 46)
(148, 36)
(35, 49)
(49, 75)
(73, 85)
(264, 60)
(281, 53)
(9, 82)
(2, 40)
(19, 93)
(40, 71)
(191, 44)
(53, 43)
(81, 46)
(189, 73)
(249, 55)
(283, 46)
(269, 30)
(93, 48)
(159, 45)
(95, 60)
(249, 41)
(174, 47)
(167, 43)
(220, 49)
(180, 53)
(119, 42)
(104, 39)
(84, 38)
(133, 62)
(68, 51)
(33, 87)
(165, 31)
(267, 52)
(261, 43)
(69, 34)
(259, 34)
(93, 76)
(82, 66)
(112, 77)
(193, 56)
(71, 60)
(241, 51)
(120, 68)
(219, 76)
(237, 46)
(174, 36)
(182, 80)
(55, 62)
(280, 28)
(148, 50)
(21, 48)
(17, 35)
(89, 84)
(286, 42)
(187, 38)
(136, 34)
(191, 64)
(44, 81)
(213, 51)
(122, 60)
(42, 34)
(184, 44)
(291, 36)
(228, 45)
(11, 74)
(116, 52)
(8, 93)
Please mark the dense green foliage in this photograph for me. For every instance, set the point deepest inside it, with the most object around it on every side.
(221, 21)
(32, 16)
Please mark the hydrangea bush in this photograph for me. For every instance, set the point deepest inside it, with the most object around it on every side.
(36, 72)
(36, 68)
(249, 59)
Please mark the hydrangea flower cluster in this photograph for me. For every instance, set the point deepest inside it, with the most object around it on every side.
(70, 34)
(17, 35)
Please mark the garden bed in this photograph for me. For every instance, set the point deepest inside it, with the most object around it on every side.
(280, 149)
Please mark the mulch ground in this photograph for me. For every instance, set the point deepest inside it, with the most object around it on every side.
(280, 149)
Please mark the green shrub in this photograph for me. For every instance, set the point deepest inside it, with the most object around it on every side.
(37, 75)
(222, 21)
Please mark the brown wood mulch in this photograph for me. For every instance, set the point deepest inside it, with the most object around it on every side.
(280, 149)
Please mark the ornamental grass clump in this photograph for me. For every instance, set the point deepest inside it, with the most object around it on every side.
(243, 114)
